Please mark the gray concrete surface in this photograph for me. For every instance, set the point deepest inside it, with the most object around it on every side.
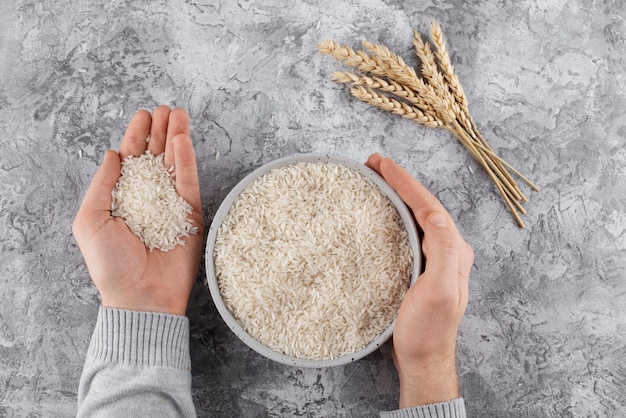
(545, 331)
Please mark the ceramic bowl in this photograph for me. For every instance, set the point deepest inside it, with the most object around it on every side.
(222, 212)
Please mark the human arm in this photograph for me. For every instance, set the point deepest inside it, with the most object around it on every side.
(141, 330)
(424, 339)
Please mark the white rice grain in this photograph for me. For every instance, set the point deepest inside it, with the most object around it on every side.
(145, 196)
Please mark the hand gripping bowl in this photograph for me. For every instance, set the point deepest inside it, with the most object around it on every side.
(212, 276)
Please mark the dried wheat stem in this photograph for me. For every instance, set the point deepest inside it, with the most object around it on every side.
(497, 161)
(503, 188)
(499, 164)
(495, 157)
(481, 140)
(509, 203)
(461, 134)
(505, 177)
(485, 146)
(516, 193)
(521, 176)
(515, 201)
(507, 199)
(481, 143)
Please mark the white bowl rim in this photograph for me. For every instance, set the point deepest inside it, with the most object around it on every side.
(227, 316)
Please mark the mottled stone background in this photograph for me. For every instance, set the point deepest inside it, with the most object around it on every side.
(545, 331)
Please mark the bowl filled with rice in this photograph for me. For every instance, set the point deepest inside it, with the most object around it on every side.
(308, 259)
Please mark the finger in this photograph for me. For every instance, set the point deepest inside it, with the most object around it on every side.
(178, 123)
(97, 200)
(373, 162)
(442, 244)
(158, 130)
(134, 141)
(420, 200)
(187, 183)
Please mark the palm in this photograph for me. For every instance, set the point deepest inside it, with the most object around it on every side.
(424, 325)
(126, 273)
(121, 264)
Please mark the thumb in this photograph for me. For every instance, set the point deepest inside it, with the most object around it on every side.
(187, 183)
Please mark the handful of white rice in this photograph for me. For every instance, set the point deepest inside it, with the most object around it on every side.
(313, 260)
(145, 197)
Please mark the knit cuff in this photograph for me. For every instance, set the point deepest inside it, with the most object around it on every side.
(136, 338)
(450, 409)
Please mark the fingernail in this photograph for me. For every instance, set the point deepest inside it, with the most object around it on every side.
(438, 220)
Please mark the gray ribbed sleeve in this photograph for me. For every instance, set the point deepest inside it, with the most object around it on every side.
(451, 409)
(137, 365)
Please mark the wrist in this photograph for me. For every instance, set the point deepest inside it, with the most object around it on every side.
(431, 381)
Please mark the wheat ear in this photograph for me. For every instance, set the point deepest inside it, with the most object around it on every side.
(394, 106)
(399, 71)
(387, 86)
(446, 66)
(431, 73)
(357, 59)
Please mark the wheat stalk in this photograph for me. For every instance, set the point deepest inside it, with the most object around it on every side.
(436, 99)
(457, 89)
(505, 192)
